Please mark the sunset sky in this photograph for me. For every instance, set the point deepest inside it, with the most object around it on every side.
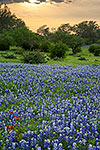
(53, 15)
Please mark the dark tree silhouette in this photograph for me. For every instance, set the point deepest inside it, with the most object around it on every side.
(43, 30)
(8, 20)
(65, 28)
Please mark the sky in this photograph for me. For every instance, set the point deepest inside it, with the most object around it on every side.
(53, 15)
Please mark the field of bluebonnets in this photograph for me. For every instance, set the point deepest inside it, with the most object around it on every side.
(45, 107)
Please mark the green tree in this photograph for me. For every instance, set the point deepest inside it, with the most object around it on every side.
(87, 30)
(8, 20)
(75, 42)
(25, 38)
(5, 42)
(44, 45)
(58, 36)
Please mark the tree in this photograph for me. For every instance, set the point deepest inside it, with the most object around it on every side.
(43, 30)
(44, 45)
(75, 43)
(65, 28)
(87, 30)
(58, 36)
(5, 42)
(8, 20)
(25, 38)
(72, 41)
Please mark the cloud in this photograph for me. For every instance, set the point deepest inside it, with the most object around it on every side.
(55, 14)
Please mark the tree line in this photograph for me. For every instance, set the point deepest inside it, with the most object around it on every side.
(14, 32)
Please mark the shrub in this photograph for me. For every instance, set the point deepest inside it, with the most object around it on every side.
(92, 48)
(26, 45)
(33, 57)
(78, 49)
(5, 42)
(95, 49)
(58, 50)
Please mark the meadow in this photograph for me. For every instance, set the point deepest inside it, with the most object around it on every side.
(49, 107)
(68, 60)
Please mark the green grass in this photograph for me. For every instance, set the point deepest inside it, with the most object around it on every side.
(10, 52)
(68, 60)
(73, 59)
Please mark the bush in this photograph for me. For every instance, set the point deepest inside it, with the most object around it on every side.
(58, 50)
(92, 48)
(95, 49)
(77, 50)
(5, 42)
(33, 57)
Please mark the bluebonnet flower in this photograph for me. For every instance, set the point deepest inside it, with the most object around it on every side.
(90, 147)
(47, 143)
(60, 137)
(55, 146)
(60, 146)
(37, 147)
(33, 141)
(49, 90)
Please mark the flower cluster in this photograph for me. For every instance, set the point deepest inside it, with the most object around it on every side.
(45, 107)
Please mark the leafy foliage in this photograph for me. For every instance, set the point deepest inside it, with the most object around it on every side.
(58, 49)
(8, 20)
(33, 57)
(75, 43)
(58, 36)
(88, 30)
(5, 42)
(72, 41)
(44, 45)
(92, 48)
(95, 49)
(25, 38)
(65, 28)
(14, 32)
